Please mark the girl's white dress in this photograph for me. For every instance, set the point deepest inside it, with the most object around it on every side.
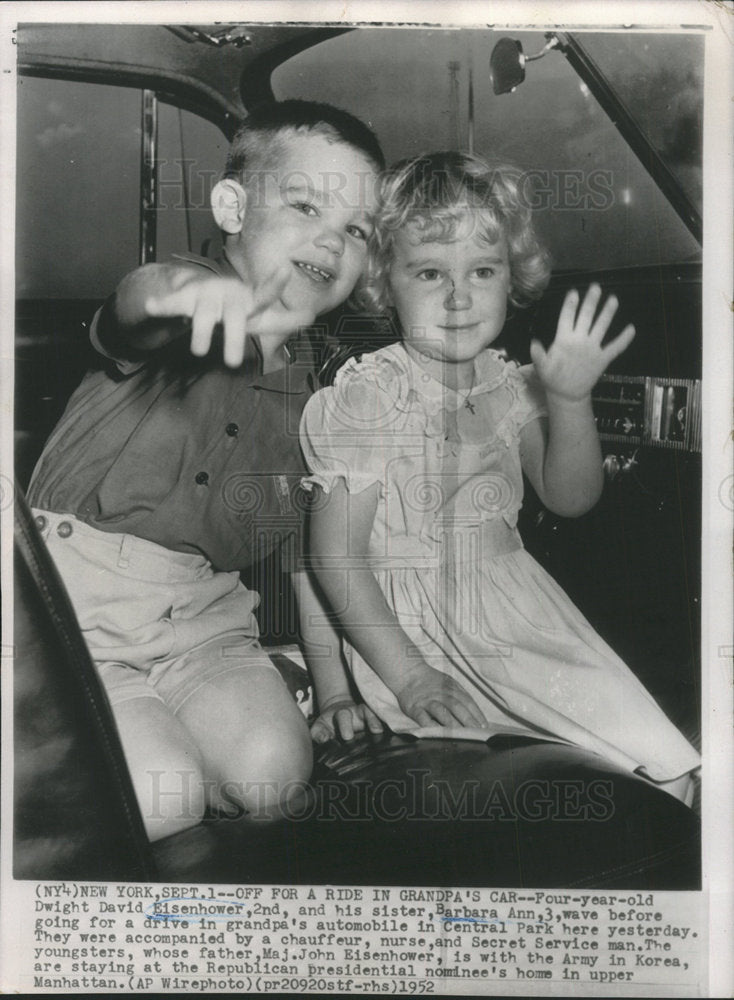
(448, 557)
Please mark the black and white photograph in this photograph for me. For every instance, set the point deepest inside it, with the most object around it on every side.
(385, 352)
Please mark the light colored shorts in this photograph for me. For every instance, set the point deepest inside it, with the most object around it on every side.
(158, 623)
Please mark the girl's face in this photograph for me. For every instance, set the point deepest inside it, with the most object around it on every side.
(450, 296)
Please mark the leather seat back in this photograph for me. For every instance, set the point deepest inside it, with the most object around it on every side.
(76, 816)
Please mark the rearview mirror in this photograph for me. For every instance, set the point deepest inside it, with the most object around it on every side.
(506, 65)
(507, 62)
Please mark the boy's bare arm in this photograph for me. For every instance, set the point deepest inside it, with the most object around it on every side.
(158, 303)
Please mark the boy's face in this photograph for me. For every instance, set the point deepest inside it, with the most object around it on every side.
(450, 296)
(309, 219)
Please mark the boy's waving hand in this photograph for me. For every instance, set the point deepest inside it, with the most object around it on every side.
(210, 301)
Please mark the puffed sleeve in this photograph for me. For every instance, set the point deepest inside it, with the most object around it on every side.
(530, 402)
(354, 429)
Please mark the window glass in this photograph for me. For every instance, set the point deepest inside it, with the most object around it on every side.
(660, 79)
(78, 173)
(596, 206)
(191, 156)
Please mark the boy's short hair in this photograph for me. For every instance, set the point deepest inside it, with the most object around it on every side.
(258, 142)
(436, 192)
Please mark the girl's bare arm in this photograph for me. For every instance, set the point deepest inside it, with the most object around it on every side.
(340, 532)
(562, 455)
(339, 714)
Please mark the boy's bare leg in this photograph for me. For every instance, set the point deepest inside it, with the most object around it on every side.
(254, 742)
(165, 766)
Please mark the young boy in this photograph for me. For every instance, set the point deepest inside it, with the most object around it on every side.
(170, 471)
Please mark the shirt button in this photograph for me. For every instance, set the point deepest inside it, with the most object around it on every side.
(41, 522)
(232, 429)
(202, 478)
(64, 530)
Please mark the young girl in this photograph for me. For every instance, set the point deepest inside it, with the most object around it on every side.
(419, 451)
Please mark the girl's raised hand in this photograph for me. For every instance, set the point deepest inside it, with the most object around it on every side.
(575, 361)
(429, 697)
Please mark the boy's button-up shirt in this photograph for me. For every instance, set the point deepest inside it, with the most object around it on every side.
(183, 451)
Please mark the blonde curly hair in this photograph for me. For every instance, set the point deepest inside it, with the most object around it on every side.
(438, 192)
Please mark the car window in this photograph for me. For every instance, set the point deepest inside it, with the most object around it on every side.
(660, 79)
(596, 206)
(78, 169)
(191, 155)
(78, 202)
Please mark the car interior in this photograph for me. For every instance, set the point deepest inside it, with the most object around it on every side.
(121, 132)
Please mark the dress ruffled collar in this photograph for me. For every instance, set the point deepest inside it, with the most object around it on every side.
(489, 372)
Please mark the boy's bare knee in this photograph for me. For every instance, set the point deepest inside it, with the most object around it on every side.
(165, 766)
(170, 794)
(275, 771)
